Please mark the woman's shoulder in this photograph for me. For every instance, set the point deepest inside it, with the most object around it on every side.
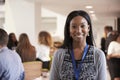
(98, 52)
(60, 54)
(114, 43)
(95, 50)
(43, 46)
(60, 51)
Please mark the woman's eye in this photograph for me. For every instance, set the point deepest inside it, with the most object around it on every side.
(73, 26)
(82, 26)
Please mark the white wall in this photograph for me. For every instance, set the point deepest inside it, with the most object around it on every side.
(53, 23)
(37, 20)
(20, 18)
(49, 24)
(2, 21)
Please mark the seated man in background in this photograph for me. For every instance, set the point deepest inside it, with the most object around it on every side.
(11, 67)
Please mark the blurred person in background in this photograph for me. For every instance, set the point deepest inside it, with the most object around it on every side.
(104, 44)
(25, 49)
(114, 56)
(103, 39)
(11, 67)
(109, 37)
(12, 42)
(43, 49)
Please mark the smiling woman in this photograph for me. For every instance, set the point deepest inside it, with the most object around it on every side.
(79, 29)
(78, 58)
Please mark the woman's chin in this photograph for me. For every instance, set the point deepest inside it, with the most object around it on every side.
(78, 39)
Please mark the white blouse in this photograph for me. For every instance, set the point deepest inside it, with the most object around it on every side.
(43, 52)
(114, 47)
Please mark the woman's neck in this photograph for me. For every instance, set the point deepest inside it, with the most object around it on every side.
(78, 49)
(79, 45)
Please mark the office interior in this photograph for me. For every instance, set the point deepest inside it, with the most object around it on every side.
(33, 16)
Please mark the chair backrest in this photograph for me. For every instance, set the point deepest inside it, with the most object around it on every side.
(32, 69)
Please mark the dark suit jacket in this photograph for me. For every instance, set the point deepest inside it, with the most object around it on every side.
(103, 40)
(108, 40)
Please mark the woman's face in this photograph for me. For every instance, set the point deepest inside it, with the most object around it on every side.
(79, 28)
(13, 37)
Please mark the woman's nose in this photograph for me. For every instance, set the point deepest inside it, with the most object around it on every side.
(79, 29)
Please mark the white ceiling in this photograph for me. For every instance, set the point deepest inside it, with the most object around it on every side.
(102, 8)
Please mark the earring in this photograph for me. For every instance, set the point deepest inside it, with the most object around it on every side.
(88, 34)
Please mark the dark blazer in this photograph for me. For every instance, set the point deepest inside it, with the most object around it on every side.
(108, 40)
(103, 40)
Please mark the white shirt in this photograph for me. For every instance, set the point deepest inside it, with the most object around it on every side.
(43, 52)
(114, 47)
